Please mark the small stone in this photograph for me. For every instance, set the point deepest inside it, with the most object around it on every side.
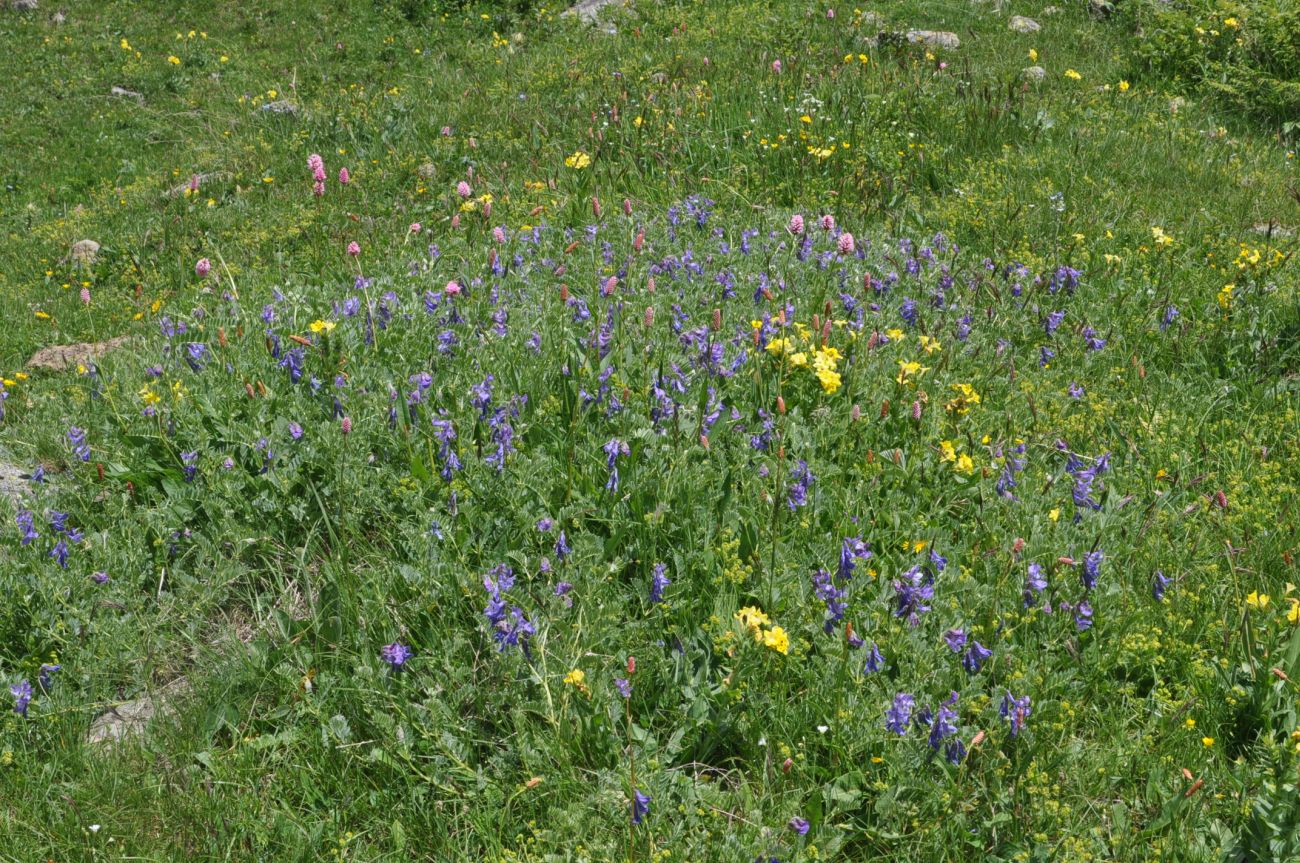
(131, 717)
(15, 482)
(280, 106)
(123, 93)
(588, 11)
(1033, 73)
(23, 5)
(1273, 229)
(1101, 8)
(57, 358)
(1021, 24)
(934, 38)
(85, 251)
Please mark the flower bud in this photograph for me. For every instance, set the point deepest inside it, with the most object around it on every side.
(649, 320)
(780, 405)
(716, 323)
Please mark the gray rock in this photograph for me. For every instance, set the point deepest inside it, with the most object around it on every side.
(84, 251)
(1021, 24)
(1101, 8)
(123, 93)
(1033, 73)
(588, 11)
(132, 717)
(57, 358)
(22, 5)
(280, 106)
(934, 38)
(1273, 229)
(15, 482)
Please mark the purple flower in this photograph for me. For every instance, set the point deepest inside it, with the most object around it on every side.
(77, 438)
(851, 549)
(510, 627)
(624, 686)
(1171, 312)
(800, 479)
(1045, 355)
(544, 525)
(60, 552)
(1014, 710)
(912, 591)
(1158, 584)
(43, 676)
(22, 693)
(1083, 616)
(875, 660)
(1076, 391)
(658, 581)
(944, 724)
(640, 806)
(480, 396)
(956, 640)
(900, 713)
(1094, 343)
(26, 524)
(975, 657)
(799, 825)
(1035, 583)
(395, 654)
(1053, 321)
(832, 596)
(295, 430)
(99, 577)
(1091, 569)
(613, 449)
(189, 462)
(562, 549)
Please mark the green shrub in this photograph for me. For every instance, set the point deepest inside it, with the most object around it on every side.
(1246, 53)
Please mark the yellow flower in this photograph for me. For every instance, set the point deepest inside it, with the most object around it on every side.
(148, 396)
(947, 451)
(174, 60)
(752, 617)
(1123, 86)
(1054, 515)
(918, 545)
(930, 345)
(830, 380)
(1073, 75)
(1162, 239)
(321, 326)
(1230, 23)
(777, 639)
(894, 334)
(799, 360)
(964, 464)
(1033, 55)
(1190, 722)
(805, 119)
(577, 678)
(1293, 615)
(826, 358)
(578, 161)
(126, 46)
(777, 347)
(1225, 296)
(1207, 741)
(1257, 600)
(43, 316)
(907, 369)
(966, 396)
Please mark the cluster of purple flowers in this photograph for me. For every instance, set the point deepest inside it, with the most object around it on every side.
(510, 627)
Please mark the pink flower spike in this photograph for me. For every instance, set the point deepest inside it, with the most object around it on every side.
(846, 243)
(354, 249)
(796, 225)
(446, 131)
(455, 220)
(346, 425)
(499, 234)
(776, 66)
(452, 288)
(202, 268)
(344, 176)
(828, 222)
(463, 189)
(85, 296)
(416, 228)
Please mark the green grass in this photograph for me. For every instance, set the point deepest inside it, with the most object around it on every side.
(271, 577)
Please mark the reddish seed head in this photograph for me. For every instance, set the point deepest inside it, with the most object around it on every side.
(855, 414)
(221, 336)
(1018, 546)
(826, 331)
(650, 285)
(595, 206)
(780, 405)
(564, 293)
(631, 666)
(627, 206)
(884, 409)
(346, 425)
(455, 220)
(99, 469)
(817, 323)
(786, 765)
(716, 323)
(639, 241)
(1220, 499)
(610, 284)
(704, 441)
(649, 319)
(487, 209)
